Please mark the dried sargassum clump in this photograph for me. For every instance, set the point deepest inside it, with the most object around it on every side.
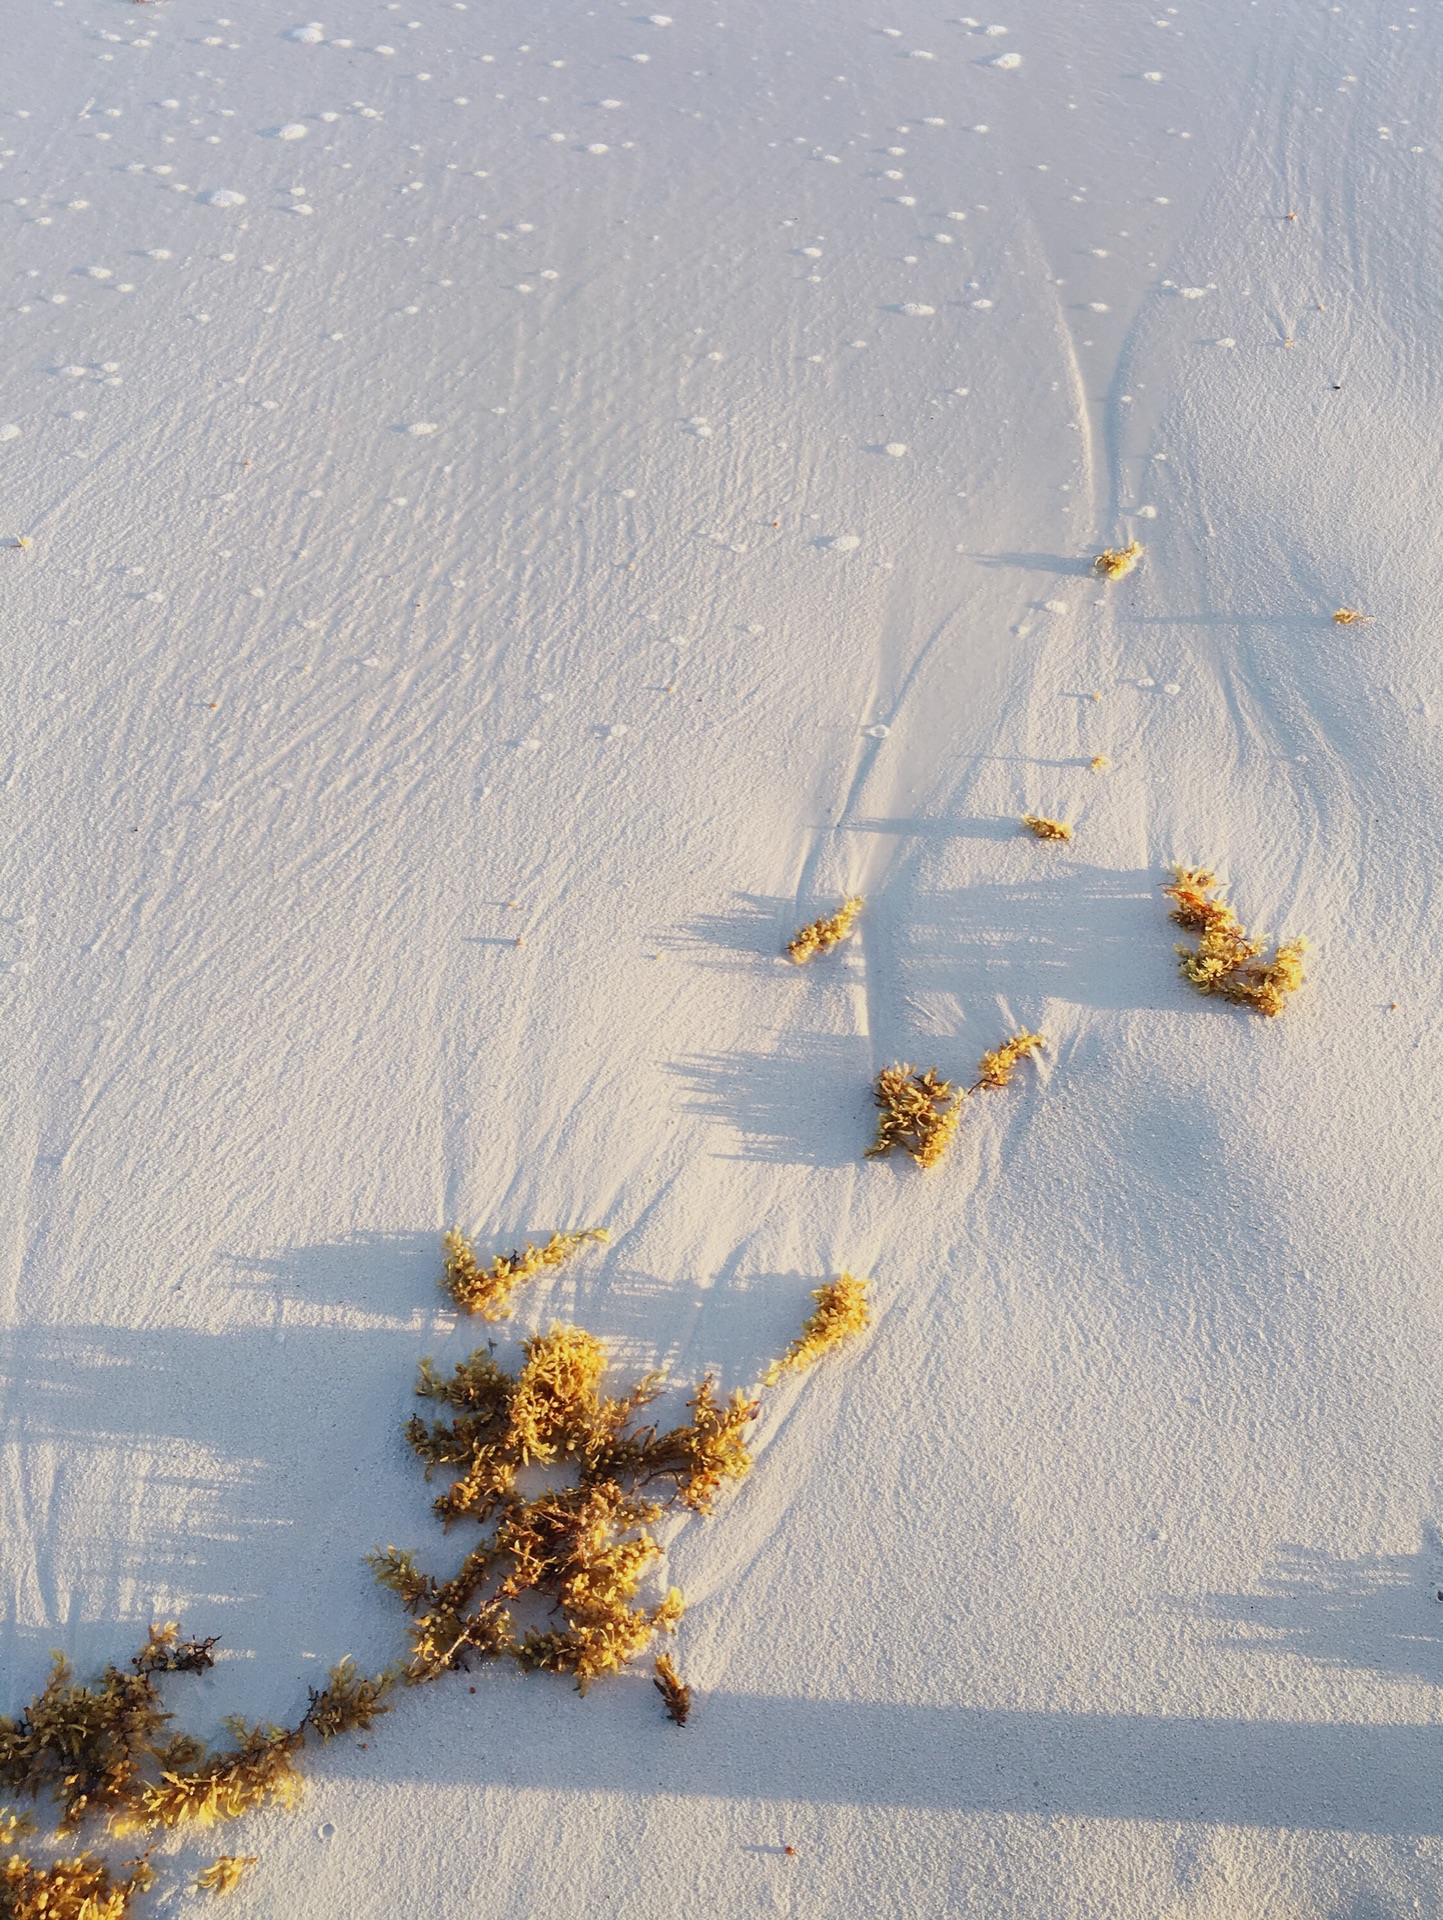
(1226, 960)
(841, 1311)
(1113, 563)
(821, 935)
(80, 1889)
(103, 1751)
(1350, 617)
(488, 1290)
(89, 1747)
(225, 1873)
(920, 1112)
(1042, 828)
(675, 1693)
(584, 1545)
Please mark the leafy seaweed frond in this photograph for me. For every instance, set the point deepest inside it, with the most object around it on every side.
(820, 936)
(396, 1568)
(448, 1638)
(349, 1702)
(556, 1393)
(841, 1311)
(225, 1873)
(710, 1449)
(488, 1290)
(918, 1112)
(996, 1067)
(201, 1789)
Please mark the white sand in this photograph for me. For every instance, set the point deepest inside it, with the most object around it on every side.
(637, 493)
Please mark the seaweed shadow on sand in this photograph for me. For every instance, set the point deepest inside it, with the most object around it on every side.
(752, 934)
(1379, 1611)
(1081, 934)
(806, 1104)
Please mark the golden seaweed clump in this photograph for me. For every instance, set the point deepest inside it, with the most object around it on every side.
(1099, 763)
(85, 1746)
(583, 1547)
(1042, 828)
(1226, 958)
(1113, 563)
(821, 935)
(78, 1889)
(675, 1693)
(841, 1311)
(225, 1873)
(918, 1112)
(488, 1290)
(1350, 617)
(997, 1067)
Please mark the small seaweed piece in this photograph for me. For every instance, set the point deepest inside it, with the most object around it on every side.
(396, 1568)
(225, 1873)
(165, 1652)
(841, 1311)
(1350, 617)
(1224, 962)
(821, 935)
(1042, 828)
(488, 1290)
(1115, 562)
(675, 1693)
(1099, 763)
(708, 1450)
(995, 1068)
(348, 1702)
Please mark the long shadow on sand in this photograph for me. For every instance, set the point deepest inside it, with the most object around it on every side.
(1336, 1777)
